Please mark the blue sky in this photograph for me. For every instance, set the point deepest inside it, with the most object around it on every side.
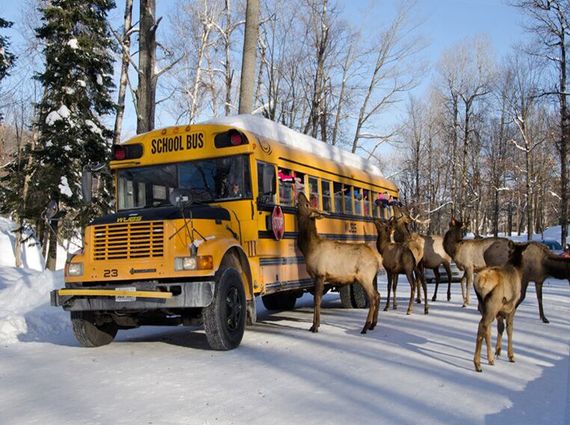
(443, 24)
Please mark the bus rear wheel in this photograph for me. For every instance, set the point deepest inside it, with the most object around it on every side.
(281, 301)
(353, 296)
(89, 333)
(224, 318)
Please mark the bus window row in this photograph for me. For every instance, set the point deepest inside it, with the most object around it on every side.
(326, 195)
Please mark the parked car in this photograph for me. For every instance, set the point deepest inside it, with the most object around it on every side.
(456, 274)
(553, 246)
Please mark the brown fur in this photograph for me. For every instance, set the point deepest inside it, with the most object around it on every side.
(432, 252)
(498, 290)
(469, 255)
(398, 258)
(538, 263)
(336, 262)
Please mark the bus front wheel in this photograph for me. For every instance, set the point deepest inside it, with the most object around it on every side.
(224, 318)
(89, 333)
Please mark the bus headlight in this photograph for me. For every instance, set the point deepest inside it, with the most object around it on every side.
(201, 262)
(75, 269)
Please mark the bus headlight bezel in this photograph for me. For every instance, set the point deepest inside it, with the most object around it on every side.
(75, 269)
(200, 262)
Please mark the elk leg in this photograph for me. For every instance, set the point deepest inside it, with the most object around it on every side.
(422, 281)
(510, 319)
(437, 280)
(376, 302)
(389, 287)
(419, 272)
(319, 285)
(490, 355)
(500, 329)
(468, 284)
(371, 295)
(481, 331)
(538, 286)
(463, 285)
(394, 287)
(412, 281)
(448, 271)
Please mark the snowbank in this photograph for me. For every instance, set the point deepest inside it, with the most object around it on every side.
(25, 313)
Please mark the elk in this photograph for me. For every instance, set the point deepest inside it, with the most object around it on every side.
(469, 255)
(432, 252)
(538, 264)
(336, 262)
(398, 258)
(498, 290)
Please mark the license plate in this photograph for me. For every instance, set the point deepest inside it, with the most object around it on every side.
(125, 298)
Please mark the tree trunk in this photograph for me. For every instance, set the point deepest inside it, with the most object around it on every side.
(125, 44)
(249, 54)
(52, 229)
(564, 140)
(146, 90)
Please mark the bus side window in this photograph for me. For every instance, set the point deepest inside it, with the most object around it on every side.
(314, 192)
(348, 199)
(326, 190)
(377, 205)
(337, 193)
(266, 183)
(366, 197)
(357, 201)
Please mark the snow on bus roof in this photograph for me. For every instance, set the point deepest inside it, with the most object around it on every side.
(274, 131)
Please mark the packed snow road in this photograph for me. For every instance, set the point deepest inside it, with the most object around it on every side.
(409, 370)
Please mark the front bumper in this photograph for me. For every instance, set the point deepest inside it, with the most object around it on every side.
(141, 295)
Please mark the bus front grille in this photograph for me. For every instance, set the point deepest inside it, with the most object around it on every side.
(124, 241)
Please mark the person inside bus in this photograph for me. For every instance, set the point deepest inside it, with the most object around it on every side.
(235, 191)
(382, 200)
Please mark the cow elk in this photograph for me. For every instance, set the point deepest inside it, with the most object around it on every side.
(498, 290)
(397, 258)
(336, 263)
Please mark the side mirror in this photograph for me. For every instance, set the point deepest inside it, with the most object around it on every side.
(87, 184)
(91, 180)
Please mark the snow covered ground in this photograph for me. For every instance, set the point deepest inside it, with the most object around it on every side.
(411, 369)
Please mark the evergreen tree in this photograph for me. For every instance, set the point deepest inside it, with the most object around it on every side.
(6, 57)
(77, 81)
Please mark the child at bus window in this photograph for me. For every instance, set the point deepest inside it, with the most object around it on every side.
(383, 199)
(286, 187)
(314, 200)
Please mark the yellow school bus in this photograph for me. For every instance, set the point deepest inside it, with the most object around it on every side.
(205, 225)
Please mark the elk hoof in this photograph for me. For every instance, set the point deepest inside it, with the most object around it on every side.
(498, 352)
(433, 299)
(491, 362)
(512, 358)
(386, 308)
(314, 329)
(478, 368)
(448, 297)
(545, 320)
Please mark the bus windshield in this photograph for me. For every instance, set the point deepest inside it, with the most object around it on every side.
(208, 180)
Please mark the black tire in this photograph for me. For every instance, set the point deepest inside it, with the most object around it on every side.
(224, 318)
(280, 302)
(90, 334)
(345, 293)
(353, 296)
